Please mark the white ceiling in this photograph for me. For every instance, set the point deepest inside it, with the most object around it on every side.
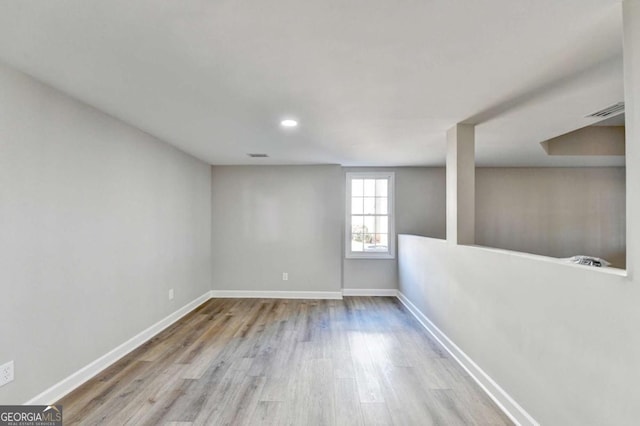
(373, 82)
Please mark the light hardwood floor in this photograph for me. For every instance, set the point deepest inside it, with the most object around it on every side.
(357, 361)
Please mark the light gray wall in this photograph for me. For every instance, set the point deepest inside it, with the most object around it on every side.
(420, 207)
(273, 219)
(97, 221)
(560, 339)
(558, 212)
(267, 220)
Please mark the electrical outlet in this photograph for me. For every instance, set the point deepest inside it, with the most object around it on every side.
(6, 373)
(285, 276)
(170, 294)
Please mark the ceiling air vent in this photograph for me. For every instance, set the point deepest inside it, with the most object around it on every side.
(258, 155)
(613, 109)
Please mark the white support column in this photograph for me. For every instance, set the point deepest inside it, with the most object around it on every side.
(631, 19)
(461, 184)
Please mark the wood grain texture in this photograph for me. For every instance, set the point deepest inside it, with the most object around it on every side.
(357, 361)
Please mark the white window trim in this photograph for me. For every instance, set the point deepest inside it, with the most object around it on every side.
(391, 254)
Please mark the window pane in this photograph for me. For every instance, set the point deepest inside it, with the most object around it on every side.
(369, 187)
(356, 242)
(369, 228)
(357, 233)
(381, 205)
(381, 187)
(356, 205)
(357, 187)
(369, 205)
(357, 222)
(382, 224)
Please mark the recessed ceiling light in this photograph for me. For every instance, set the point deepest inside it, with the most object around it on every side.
(289, 123)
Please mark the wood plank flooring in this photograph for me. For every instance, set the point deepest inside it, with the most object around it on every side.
(357, 361)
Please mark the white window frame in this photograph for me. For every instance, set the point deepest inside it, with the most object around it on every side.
(391, 253)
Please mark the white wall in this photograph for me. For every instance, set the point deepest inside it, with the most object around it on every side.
(560, 339)
(557, 212)
(420, 207)
(267, 220)
(97, 221)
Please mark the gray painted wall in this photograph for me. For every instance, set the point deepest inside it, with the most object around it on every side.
(558, 212)
(420, 207)
(98, 221)
(560, 339)
(267, 220)
(273, 219)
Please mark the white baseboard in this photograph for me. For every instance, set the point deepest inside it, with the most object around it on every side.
(384, 292)
(241, 294)
(506, 403)
(60, 389)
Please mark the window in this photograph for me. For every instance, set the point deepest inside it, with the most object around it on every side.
(369, 223)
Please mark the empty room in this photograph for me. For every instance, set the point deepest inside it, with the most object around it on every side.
(319, 213)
